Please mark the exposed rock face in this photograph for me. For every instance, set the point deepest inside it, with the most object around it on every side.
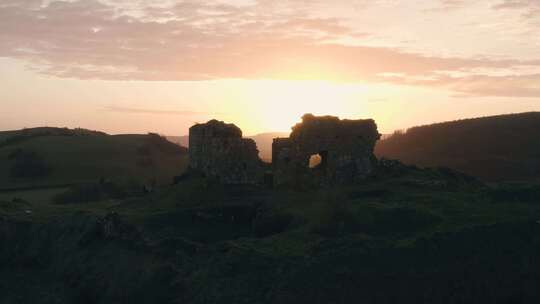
(218, 150)
(345, 148)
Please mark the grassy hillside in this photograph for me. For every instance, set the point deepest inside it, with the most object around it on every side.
(64, 156)
(505, 147)
(406, 235)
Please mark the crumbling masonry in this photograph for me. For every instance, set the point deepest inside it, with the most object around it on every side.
(343, 147)
(219, 151)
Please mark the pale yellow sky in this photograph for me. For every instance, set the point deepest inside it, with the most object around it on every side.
(160, 66)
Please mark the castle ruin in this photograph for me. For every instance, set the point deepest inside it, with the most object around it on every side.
(343, 150)
(218, 151)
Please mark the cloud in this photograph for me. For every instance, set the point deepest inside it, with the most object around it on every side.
(513, 4)
(445, 5)
(128, 110)
(527, 86)
(206, 40)
(89, 39)
(518, 86)
(530, 8)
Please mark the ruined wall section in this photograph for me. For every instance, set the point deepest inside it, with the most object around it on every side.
(283, 162)
(218, 151)
(345, 146)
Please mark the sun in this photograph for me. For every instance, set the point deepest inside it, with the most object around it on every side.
(283, 103)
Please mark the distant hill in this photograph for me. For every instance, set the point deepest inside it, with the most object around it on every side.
(264, 143)
(179, 140)
(505, 147)
(263, 140)
(54, 156)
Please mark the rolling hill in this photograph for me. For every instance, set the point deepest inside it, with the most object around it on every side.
(42, 157)
(427, 235)
(505, 147)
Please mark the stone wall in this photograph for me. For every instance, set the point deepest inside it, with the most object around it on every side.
(218, 151)
(344, 146)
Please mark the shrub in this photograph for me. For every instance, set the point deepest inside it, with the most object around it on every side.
(86, 193)
(400, 221)
(268, 222)
(145, 162)
(114, 190)
(341, 217)
(336, 218)
(28, 164)
(79, 194)
(514, 193)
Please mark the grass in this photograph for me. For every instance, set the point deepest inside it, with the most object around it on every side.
(201, 242)
(363, 209)
(40, 196)
(81, 159)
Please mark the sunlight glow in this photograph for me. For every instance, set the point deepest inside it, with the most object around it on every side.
(278, 105)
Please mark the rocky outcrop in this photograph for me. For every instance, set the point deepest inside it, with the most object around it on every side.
(218, 150)
(343, 147)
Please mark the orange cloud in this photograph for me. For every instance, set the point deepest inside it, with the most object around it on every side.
(531, 8)
(129, 110)
(203, 40)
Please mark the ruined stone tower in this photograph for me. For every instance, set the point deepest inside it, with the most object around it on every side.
(218, 151)
(344, 148)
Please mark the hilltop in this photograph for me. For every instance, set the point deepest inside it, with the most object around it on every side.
(430, 235)
(55, 156)
(505, 147)
(423, 233)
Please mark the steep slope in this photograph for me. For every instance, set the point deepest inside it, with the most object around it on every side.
(494, 148)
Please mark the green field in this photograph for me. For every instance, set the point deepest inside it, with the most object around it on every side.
(91, 231)
(405, 229)
(88, 158)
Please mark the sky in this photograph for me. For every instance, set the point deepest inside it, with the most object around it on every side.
(137, 66)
